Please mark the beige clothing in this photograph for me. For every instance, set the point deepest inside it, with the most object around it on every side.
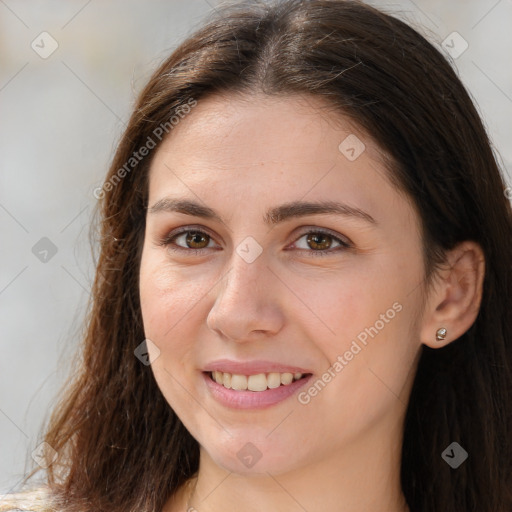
(34, 500)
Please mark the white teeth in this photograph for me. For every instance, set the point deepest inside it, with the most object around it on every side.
(273, 380)
(238, 382)
(226, 379)
(259, 382)
(286, 378)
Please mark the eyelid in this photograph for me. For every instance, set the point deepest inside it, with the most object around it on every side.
(344, 242)
(167, 238)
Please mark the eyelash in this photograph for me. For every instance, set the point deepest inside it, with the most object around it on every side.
(167, 241)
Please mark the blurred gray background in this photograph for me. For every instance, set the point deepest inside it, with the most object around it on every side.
(62, 111)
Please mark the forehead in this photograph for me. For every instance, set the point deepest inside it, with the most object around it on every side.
(263, 126)
(241, 148)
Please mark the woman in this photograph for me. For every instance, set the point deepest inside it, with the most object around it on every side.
(303, 296)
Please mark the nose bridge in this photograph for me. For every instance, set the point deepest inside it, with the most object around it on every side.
(243, 301)
(248, 268)
(244, 280)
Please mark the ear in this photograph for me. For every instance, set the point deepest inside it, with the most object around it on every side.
(455, 296)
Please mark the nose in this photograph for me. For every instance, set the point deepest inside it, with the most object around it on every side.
(247, 302)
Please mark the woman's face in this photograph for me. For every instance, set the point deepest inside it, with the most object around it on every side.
(291, 253)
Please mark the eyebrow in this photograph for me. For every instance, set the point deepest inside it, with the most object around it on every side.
(272, 217)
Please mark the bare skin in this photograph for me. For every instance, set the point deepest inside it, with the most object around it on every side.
(339, 448)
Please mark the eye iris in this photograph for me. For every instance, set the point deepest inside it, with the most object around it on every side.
(317, 241)
(315, 237)
(192, 238)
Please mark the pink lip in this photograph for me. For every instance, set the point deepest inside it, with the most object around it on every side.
(252, 399)
(251, 367)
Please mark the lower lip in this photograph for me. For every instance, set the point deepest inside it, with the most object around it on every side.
(252, 399)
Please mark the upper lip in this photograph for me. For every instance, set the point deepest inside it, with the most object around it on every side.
(252, 367)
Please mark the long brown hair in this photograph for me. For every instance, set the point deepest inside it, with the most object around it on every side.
(120, 446)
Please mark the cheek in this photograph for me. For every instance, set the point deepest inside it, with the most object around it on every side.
(173, 313)
(368, 363)
(365, 317)
(167, 294)
(342, 306)
(167, 305)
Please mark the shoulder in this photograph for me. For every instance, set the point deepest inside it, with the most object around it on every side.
(36, 500)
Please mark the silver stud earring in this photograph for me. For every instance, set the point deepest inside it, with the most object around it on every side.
(441, 334)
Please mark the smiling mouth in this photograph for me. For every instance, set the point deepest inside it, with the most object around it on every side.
(258, 382)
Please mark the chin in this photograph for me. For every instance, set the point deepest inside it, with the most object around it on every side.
(257, 456)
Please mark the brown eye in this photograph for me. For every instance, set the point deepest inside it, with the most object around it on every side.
(319, 241)
(187, 240)
(196, 239)
(316, 243)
